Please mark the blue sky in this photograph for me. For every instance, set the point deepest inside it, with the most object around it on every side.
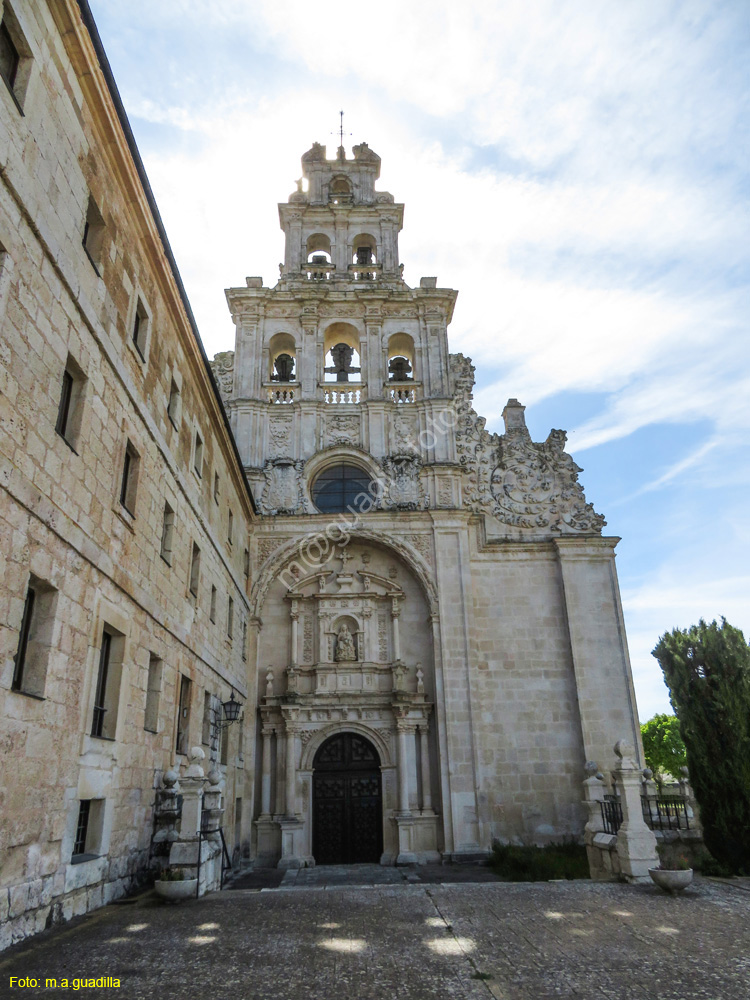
(577, 170)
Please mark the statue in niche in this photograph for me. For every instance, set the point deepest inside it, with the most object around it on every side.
(284, 365)
(342, 366)
(345, 649)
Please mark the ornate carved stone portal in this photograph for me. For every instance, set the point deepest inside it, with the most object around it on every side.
(346, 671)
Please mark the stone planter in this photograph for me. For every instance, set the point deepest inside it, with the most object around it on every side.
(175, 891)
(671, 881)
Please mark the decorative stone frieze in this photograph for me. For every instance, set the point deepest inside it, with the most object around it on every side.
(223, 368)
(522, 483)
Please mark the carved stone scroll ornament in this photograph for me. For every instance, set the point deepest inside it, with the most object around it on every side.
(402, 478)
(283, 492)
(521, 482)
(342, 429)
(223, 368)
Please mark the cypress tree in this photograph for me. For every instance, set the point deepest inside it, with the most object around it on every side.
(707, 671)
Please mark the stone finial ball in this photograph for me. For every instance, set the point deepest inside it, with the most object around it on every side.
(648, 773)
(624, 749)
(196, 753)
(170, 778)
(214, 776)
(590, 767)
(685, 773)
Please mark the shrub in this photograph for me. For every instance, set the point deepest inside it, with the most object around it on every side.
(172, 875)
(539, 864)
(707, 671)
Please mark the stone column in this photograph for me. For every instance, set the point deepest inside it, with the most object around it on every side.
(636, 844)
(295, 625)
(265, 781)
(424, 760)
(405, 819)
(291, 772)
(403, 770)
(395, 613)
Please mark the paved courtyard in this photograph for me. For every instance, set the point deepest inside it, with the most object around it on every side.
(407, 940)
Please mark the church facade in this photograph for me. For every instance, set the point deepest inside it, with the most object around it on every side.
(420, 618)
(439, 642)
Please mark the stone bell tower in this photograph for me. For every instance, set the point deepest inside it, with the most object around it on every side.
(339, 339)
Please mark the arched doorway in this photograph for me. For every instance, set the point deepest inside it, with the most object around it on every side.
(347, 802)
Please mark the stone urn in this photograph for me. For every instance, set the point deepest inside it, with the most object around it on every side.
(671, 881)
(175, 891)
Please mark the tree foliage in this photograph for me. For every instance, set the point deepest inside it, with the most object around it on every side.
(707, 671)
(663, 746)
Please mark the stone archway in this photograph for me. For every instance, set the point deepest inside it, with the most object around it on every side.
(347, 801)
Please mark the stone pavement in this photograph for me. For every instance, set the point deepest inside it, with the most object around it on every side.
(409, 941)
(325, 876)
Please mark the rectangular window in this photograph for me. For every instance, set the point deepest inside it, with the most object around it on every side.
(167, 534)
(207, 718)
(195, 570)
(82, 827)
(198, 456)
(246, 563)
(153, 694)
(93, 234)
(244, 640)
(230, 527)
(9, 56)
(71, 403)
(212, 611)
(224, 745)
(140, 330)
(230, 617)
(63, 412)
(175, 404)
(35, 639)
(23, 639)
(107, 694)
(15, 56)
(87, 843)
(216, 487)
(183, 717)
(129, 484)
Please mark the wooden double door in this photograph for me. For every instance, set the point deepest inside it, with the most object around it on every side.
(347, 802)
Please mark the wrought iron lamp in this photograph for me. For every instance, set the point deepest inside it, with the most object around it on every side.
(232, 711)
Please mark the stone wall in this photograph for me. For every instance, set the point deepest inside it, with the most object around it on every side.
(97, 557)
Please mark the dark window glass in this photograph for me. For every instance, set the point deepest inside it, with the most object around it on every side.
(342, 487)
(23, 641)
(82, 828)
(101, 686)
(125, 479)
(63, 414)
(9, 58)
(183, 716)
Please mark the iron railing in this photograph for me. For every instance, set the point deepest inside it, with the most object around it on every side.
(665, 812)
(611, 813)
